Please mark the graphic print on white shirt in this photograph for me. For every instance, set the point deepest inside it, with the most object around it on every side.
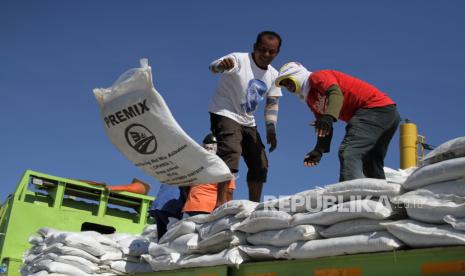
(255, 91)
(240, 90)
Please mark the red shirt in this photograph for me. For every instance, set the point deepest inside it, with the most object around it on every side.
(357, 93)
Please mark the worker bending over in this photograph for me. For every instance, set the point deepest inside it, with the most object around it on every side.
(371, 116)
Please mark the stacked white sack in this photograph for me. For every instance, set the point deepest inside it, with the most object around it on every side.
(436, 200)
(418, 234)
(398, 176)
(368, 198)
(315, 200)
(203, 240)
(359, 199)
(84, 253)
(264, 224)
(438, 187)
(451, 149)
(269, 227)
(353, 213)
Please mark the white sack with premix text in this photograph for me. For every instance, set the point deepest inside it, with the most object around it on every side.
(141, 126)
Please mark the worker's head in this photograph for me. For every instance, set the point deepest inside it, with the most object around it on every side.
(209, 143)
(266, 48)
(290, 84)
(292, 75)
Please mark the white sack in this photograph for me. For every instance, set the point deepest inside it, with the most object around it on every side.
(34, 240)
(353, 227)
(220, 241)
(31, 268)
(364, 243)
(111, 254)
(58, 267)
(164, 262)
(79, 240)
(232, 207)
(78, 262)
(438, 172)
(134, 246)
(61, 249)
(140, 124)
(264, 220)
(50, 235)
(184, 244)
(449, 189)
(345, 211)
(424, 206)
(199, 219)
(451, 149)
(230, 257)
(362, 187)
(119, 236)
(213, 227)
(457, 223)
(37, 249)
(306, 201)
(182, 227)
(238, 208)
(274, 204)
(418, 234)
(263, 252)
(150, 232)
(39, 273)
(397, 176)
(149, 229)
(285, 237)
(247, 210)
(156, 249)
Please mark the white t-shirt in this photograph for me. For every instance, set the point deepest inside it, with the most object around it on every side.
(241, 89)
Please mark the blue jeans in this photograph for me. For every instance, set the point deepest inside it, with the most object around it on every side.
(366, 142)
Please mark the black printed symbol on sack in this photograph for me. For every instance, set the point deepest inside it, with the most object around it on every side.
(141, 139)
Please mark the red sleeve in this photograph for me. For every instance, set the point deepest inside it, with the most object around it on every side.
(322, 80)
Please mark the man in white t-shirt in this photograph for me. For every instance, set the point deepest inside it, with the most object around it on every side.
(247, 78)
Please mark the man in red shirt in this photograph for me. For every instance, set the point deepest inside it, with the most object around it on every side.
(371, 116)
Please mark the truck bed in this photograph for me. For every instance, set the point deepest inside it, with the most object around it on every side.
(429, 261)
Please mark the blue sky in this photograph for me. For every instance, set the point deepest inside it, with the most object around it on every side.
(53, 53)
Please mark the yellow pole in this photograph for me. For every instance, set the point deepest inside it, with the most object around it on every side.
(408, 145)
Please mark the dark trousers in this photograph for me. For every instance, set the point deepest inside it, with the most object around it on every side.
(234, 141)
(161, 219)
(366, 142)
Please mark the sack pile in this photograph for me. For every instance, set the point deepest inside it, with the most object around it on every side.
(86, 253)
(435, 201)
(203, 240)
(342, 218)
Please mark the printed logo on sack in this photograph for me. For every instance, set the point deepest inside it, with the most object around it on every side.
(141, 139)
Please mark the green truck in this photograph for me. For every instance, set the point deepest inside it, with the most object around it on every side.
(42, 200)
